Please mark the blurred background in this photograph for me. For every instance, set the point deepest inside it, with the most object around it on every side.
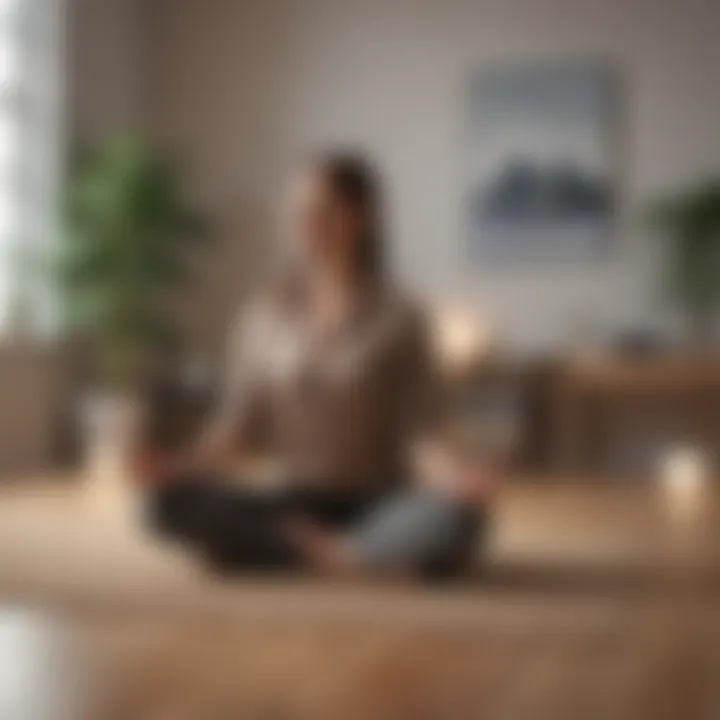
(553, 177)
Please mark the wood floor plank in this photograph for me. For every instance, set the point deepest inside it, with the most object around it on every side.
(562, 629)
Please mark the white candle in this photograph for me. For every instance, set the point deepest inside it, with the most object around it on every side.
(460, 336)
(684, 473)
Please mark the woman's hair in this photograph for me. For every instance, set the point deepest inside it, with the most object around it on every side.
(356, 182)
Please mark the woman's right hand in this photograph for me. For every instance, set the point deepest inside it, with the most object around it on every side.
(150, 467)
(153, 466)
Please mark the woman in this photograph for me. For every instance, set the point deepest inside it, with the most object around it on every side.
(331, 374)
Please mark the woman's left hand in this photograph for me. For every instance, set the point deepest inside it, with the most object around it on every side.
(470, 479)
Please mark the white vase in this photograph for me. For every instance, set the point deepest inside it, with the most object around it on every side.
(111, 426)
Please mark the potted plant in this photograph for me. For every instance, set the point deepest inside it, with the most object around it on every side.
(129, 237)
(689, 223)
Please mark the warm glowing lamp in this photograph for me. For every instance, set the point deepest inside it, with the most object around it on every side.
(460, 336)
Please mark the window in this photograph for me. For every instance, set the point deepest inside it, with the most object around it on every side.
(30, 158)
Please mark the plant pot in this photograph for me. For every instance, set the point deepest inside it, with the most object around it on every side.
(111, 425)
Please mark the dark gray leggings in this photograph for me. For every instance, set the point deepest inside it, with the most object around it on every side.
(238, 528)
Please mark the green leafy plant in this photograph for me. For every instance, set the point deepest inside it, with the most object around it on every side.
(128, 242)
(689, 223)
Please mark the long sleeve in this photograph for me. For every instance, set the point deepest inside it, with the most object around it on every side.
(242, 406)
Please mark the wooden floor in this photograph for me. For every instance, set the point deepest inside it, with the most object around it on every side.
(595, 602)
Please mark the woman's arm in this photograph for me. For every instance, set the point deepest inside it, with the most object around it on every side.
(234, 424)
(440, 451)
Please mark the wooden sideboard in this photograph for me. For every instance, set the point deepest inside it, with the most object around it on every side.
(615, 415)
(605, 415)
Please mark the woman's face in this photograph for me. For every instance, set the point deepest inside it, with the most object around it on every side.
(323, 226)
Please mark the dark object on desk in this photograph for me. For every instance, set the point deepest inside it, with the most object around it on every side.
(640, 343)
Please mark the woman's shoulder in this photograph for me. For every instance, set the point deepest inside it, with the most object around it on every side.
(254, 316)
(277, 299)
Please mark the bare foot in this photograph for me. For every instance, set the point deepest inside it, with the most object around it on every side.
(322, 550)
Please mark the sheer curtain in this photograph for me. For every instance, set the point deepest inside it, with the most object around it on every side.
(31, 62)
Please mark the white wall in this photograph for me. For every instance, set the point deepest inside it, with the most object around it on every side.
(106, 66)
(221, 74)
(241, 86)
